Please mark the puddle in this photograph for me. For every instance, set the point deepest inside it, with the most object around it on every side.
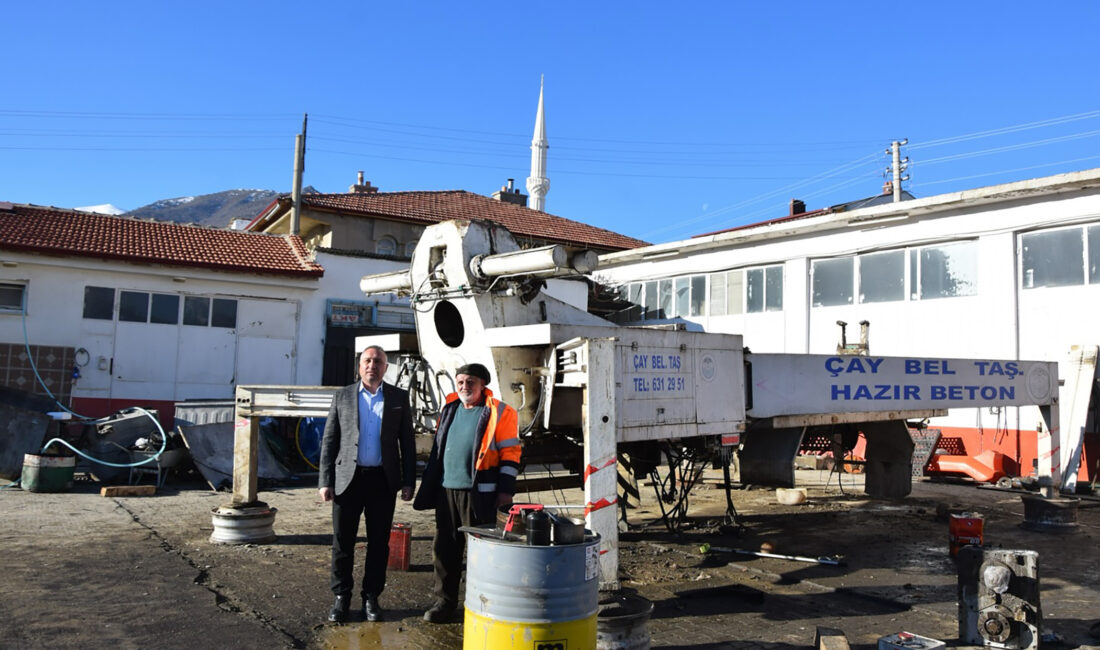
(393, 636)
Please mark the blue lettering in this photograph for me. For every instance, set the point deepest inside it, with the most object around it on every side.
(640, 385)
(874, 364)
(912, 366)
(639, 361)
(912, 392)
(1012, 369)
(842, 392)
(834, 366)
(658, 362)
(674, 361)
(944, 369)
(862, 392)
(939, 392)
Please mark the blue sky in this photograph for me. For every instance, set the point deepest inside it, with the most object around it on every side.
(665, 120)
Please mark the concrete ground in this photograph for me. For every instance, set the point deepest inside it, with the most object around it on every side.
(81, 570)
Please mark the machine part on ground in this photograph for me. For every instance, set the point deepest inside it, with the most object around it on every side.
(47, 472)
(1049, 513)
(623, 622)
(524, 596)
(909, 641)
(998, 594)
(835, 560)
(251, 524)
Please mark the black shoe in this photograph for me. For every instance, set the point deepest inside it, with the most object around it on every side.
(339, 611)
(440, 612)
(372, 611)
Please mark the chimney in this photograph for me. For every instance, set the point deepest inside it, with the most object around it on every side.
(362, 187)
(888, 187)
(509, 194)
(798, 206)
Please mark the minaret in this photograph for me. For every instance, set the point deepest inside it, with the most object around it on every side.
(537, 183)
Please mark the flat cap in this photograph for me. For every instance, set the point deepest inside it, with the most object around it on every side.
(474, 370)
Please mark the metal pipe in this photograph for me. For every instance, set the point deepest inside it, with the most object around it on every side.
(547, 258)
(386, 282)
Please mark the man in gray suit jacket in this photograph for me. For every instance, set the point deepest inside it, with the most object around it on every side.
(367, 455)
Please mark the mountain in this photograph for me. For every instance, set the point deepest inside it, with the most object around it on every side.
(217, 210)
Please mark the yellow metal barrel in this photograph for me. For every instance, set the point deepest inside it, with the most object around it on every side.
(531, 597)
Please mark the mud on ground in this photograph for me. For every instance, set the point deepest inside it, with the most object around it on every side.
(81, 570)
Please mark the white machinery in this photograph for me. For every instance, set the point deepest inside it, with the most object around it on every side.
(583, 383)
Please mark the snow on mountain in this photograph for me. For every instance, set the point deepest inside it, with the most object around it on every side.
(105, 208)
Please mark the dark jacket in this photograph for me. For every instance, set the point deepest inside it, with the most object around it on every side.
(340, 443)
(495, 462)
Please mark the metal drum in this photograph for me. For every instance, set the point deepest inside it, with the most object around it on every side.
(521, 596)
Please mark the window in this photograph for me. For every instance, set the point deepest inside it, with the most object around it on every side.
(682, 296)
(409, 248)
(754, 290)
(650, 295)
(99, 303)
(773, 288)
(764, 289)
(386, 246)
(223, 313)
(717, 294)
(133, 307)
(1094, 254)
(698, 294)
(196, 311)
(166, 309)
(735, 285)
(832, 282)
(1053, 258)
(664, 299)
(882, 276)
(11, 296)
(944, 271)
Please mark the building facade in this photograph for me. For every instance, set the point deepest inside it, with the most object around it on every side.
(1006, 272)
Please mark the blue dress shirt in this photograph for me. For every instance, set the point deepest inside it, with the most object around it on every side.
(370, 427)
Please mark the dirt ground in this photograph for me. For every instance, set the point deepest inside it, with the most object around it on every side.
(81, 570)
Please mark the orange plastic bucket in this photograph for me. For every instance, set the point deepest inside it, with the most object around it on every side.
(963, 529)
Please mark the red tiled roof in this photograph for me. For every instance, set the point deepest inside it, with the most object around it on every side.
(80, 234)
(433, 207)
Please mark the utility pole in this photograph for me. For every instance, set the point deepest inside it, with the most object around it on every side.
(296, 183)
(897, 167)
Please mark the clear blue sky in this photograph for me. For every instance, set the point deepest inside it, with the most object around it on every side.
(665, 120)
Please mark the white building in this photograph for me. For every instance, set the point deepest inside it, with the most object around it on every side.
(1006, 272)
(152, 313)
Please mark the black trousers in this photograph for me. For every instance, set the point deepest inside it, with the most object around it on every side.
(368, 495)
(454, 509)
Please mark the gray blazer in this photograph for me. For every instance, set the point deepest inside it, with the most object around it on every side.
(340, 444)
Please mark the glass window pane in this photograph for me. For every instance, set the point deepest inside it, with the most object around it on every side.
(11, 296)
(635, 297)
(386, 246)
(773, 288)
(99, 302)
(698, 294)
(832, 282)
(224, 313)
(1094, 254)
(133, 306)
(952, 270)
(664, 299)
(914, 284)
(717, 294)
(196, 311)
(1052, 259)
(166, 309)
(754, 291)
(683, 297)
(735, 287)
(882, 276)
(651, 300)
